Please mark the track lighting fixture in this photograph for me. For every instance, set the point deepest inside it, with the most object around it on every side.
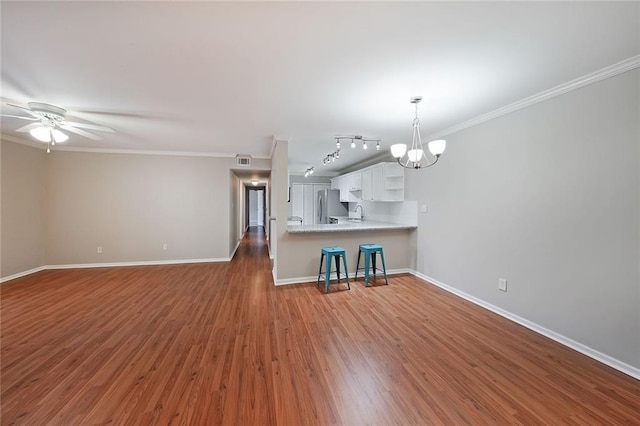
(308, 172)
(335, 155)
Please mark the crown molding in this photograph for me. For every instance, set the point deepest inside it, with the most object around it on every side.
(15, 139)
(603, 74)
(61, 148)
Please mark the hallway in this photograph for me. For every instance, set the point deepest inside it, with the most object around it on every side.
(218, 343)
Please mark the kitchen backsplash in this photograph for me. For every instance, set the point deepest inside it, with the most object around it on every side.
(405, 212)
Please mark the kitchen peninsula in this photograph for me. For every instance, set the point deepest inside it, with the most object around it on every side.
(374, 194)
(347, 226)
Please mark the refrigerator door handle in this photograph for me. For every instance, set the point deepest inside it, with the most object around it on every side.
(320, 207)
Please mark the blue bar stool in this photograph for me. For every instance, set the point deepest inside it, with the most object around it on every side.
(370, 251)
(325, 255)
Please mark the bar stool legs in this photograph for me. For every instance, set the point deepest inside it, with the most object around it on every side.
(369, 251)
(326, 254)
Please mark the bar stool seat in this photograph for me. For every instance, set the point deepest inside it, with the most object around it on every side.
(325, 256)
(370, 251)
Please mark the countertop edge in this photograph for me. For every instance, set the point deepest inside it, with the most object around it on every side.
(305, 229)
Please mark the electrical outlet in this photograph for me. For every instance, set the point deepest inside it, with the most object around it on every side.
(502, 284)
(165, 246)
(423, 208)
(99, 249)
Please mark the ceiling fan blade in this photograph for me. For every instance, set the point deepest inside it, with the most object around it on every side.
(35, 114)
(19, 116)
(28, 127)
(89, 126)
(80, 132)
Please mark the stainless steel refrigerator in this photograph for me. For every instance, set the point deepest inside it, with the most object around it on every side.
(328, 204)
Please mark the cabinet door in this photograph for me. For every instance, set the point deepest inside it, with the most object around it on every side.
(297, 200)
(377, 182)
(344, 189)
(335, 182)
(367, 188)
(308, 205)
(355, 182)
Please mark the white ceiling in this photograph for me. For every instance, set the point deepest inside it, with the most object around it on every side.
(225, 78)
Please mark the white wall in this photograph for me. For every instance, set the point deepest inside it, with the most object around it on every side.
(547, 197)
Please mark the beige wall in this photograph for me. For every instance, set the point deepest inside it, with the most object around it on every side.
(22, 208)
(547, 197)
(235, 188)
(130, 205)
(299, 254)
(279, 195)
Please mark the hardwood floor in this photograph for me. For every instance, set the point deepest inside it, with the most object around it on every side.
(219, 344)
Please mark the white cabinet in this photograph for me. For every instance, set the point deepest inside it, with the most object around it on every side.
(342, 183)
(304, 201)
(393, 182)
(355, 182)
(381, 182)
(335, 182)
(350, 187)
(367, 184)
(377, 182)
(308, 203)
(297, 200)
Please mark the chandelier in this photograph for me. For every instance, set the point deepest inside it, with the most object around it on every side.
(413, 158)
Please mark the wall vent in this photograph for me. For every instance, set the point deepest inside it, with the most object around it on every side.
(243, 160)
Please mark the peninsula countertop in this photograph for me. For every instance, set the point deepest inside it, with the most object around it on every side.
(348, 226)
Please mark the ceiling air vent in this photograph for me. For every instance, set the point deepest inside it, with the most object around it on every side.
(243, 160)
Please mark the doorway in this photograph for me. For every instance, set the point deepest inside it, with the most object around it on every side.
(256, 212)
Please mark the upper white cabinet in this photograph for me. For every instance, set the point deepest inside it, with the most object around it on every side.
(335, 182)
(367, 184)
(355, 181)
(381, 182)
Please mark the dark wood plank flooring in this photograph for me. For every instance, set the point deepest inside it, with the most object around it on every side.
(219, 344)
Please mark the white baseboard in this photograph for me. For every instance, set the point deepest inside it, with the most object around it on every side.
(235, 249)
(22, 274)
(113, 264)
(299, 280)
(583, 349)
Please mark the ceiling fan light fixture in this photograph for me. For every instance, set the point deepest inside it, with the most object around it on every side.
(42, 133)
(48, 134)
(58, 136)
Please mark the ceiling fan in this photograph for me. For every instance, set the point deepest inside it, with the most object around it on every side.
(49, 121)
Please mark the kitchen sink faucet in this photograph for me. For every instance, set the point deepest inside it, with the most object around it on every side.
(355, 210)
